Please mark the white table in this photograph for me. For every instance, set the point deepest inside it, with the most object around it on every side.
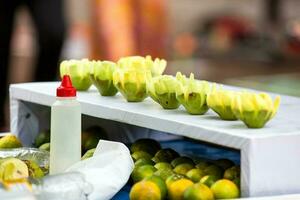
(270, 160)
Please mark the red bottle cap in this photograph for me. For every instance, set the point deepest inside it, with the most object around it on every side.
(66, 89)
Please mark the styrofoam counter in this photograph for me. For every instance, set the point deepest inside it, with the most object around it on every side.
(270, 160)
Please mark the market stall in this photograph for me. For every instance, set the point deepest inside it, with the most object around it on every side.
(269, 156)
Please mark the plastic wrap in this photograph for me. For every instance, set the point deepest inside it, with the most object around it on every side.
(65, 186)
(41, 157)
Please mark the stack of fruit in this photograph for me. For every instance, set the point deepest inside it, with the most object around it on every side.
(164, 174)
(136, 77)
(14, 170)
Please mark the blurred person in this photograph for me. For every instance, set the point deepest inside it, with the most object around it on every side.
(49, 21)
(129, 27)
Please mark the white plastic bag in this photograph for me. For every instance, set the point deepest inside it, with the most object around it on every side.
(16, 195)
(107, 171)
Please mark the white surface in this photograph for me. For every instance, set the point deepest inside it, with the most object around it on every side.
(107, 171)
(23, 122)
(4, 134)
(150, 115)
(29, 119)
(270, 158)
(270, 166)
(281, 197)
(16, 195)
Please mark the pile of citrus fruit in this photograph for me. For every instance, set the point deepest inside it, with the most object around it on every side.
(164, 174)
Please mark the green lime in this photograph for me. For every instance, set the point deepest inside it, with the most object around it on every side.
(145, 190)
(214, 171)
(164, 173)
(202, 164)
(198, 191)
(171, 179)
(88, 154)
(208, 180)
(195, 175)
(140, 154)
(91, 136)
(177, 188)
(163, 165)
(183, 168)
(143, 161)
(182, 159)
(224, 163)
(139, 173)
(45, 147)
(42, 138)
(160, 183)
(147, 145)
(237, 181)
(165, 155)
(232, 173)
(225, 189)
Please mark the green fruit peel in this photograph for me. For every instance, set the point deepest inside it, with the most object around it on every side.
(101, 75)
(131, 83)
(255, 110)
(220, 101)
(156, 66)
(192, 94)
(78, 70)
(162, 89)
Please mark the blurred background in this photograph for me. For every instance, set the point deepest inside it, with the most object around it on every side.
(251, 43)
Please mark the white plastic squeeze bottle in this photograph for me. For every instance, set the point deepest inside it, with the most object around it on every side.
(65, 147)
